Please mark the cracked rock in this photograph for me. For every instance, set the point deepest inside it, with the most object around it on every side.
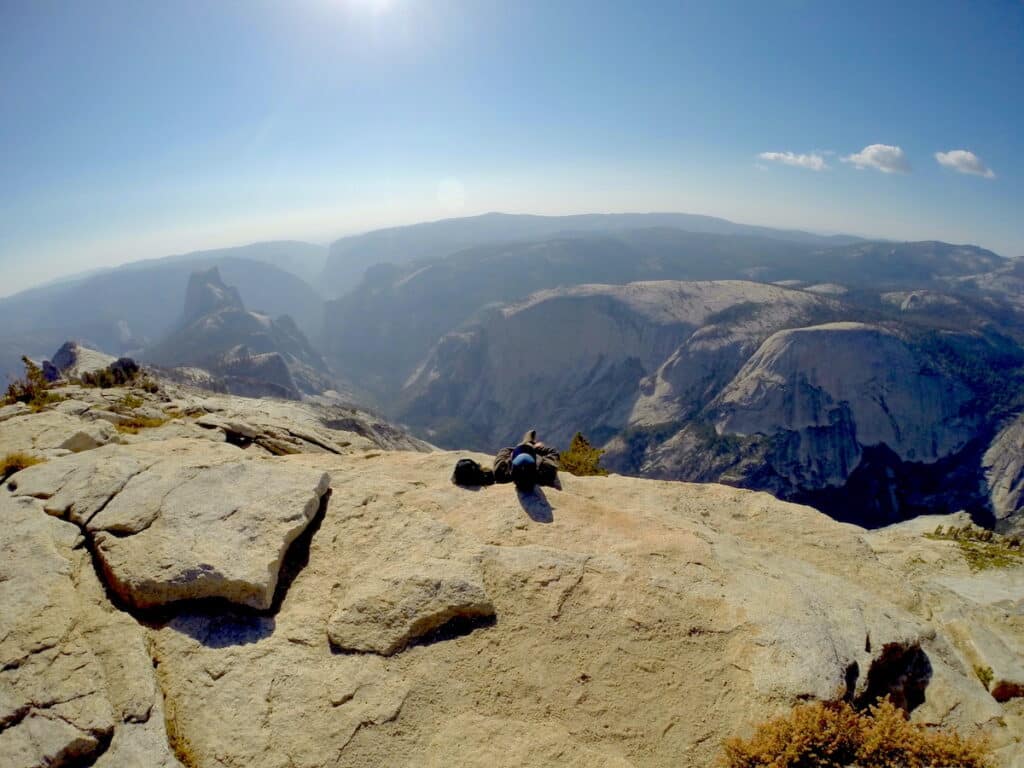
(183, 519)
(383, 613)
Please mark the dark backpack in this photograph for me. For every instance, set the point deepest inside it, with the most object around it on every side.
(469, 473)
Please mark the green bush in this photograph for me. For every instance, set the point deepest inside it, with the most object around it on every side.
(582, 458)
(32, 390)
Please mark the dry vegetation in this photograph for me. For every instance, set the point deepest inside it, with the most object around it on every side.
(835, 735)
(135, 423)
(982, 548)
(15, 462)
(33, 389)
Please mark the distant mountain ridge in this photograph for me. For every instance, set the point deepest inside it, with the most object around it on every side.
(252, 353)
(121, 310)
(382, 330)
(351, 256)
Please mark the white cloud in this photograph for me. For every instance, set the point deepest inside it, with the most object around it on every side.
(886, 158)
(812, 161)
(963, 161)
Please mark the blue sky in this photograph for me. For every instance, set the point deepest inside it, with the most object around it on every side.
(134, 129)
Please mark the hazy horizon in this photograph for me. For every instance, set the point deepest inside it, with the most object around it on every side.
(138, 131)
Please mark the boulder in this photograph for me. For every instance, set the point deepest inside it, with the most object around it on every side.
(76, 678)
(183, 519)
(53, 433)
(384, 612)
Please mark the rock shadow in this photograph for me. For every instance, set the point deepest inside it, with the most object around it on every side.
(901, 671)
(536, 505)
(223, 629)
(460, 626)
(218, 623)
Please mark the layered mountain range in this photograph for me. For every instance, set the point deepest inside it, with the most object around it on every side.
(874, 380)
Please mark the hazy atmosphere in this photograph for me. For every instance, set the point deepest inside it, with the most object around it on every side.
(134, 130)
(478, 384)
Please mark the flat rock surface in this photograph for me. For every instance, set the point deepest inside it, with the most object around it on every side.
(635, 623)
(615, 622)
(384, 612)
(182, 519)
(75, 673)
(53, 433)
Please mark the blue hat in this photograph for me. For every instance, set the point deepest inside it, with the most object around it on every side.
(524, 459)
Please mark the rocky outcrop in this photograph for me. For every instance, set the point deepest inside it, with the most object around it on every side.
(72, 360)
(384, 612)
(576, 357)
(252, 353)
(53, 433)
(181, 520)
(645, 622)
(615, 621)
(1003, 464)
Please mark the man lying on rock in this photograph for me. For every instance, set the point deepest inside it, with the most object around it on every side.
(528, 464)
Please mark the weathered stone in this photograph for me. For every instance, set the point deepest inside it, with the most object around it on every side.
(384, 612)
(53, 705)
(50, 432)
(185, 519)
(10, 411)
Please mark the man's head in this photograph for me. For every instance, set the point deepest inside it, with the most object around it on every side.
(524, 471)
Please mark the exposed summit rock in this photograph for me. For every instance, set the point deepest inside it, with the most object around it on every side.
(183, 519)
(72, 360)
(613, 622)
(384, 612)
(207, 294)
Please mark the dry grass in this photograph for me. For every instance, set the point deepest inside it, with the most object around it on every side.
(135, 423)
(15, 462)
(834, 735)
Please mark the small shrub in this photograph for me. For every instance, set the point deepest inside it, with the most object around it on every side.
(130, 402)
(835, 735)
(122, 371)
(135, 423)
(32, 390)
(582, 458)
(985, 675)
(15, 462)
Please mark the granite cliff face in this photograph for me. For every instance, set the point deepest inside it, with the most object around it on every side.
(338, 602)
(1004, 472)
(250, 352)
(761, 386)
(574, 356)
